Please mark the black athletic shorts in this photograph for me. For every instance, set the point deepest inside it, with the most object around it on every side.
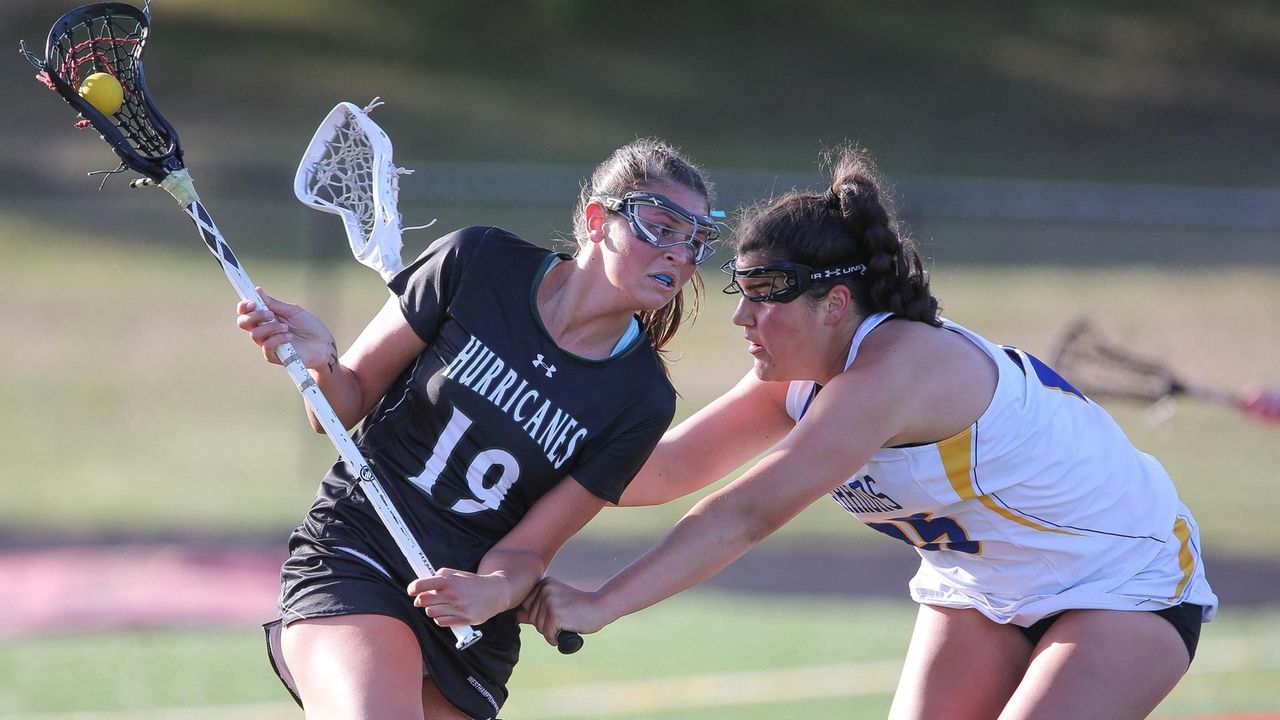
(331, 570)
(1185, 618)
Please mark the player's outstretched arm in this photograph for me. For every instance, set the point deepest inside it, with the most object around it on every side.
(836, 434)
(715, 441)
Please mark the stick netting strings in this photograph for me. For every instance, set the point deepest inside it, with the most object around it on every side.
(344, 177)
(111, 44)
(1103, 370)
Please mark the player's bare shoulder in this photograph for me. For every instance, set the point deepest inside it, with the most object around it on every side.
(938, 377)
(924, 351)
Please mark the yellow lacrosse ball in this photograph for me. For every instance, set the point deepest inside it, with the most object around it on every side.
(103, 91)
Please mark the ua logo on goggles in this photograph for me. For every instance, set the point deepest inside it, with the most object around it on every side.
(787, 281)
(659, 221)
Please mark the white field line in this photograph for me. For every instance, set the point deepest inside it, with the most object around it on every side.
(709, 690)
(672, 693)
(601, 699)
(780, 686)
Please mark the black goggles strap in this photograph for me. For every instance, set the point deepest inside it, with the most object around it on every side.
(797, 278)
(838, 271)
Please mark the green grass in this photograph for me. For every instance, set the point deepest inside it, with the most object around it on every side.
(688, 658)
(132, 401)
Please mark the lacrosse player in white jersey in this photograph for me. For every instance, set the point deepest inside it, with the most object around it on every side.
(1060, 575)
(505, 394)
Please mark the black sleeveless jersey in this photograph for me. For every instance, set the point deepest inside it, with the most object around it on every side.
(493, 413)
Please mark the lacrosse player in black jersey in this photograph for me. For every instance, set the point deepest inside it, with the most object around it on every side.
(507, 393)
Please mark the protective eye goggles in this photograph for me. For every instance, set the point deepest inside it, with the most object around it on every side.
(787, 281)
(660, 222)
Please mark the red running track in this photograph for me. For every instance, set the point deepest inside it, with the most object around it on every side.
(74, 589)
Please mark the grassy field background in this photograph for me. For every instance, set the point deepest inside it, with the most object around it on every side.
(702, 656)
(136, 409)
(137, 406)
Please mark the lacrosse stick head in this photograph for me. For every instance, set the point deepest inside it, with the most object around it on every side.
(1103, 369)
(347, 170)
(110, 38)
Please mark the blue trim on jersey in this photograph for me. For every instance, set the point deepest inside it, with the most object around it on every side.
(1047, 375)
(628, 337)
(809, 401)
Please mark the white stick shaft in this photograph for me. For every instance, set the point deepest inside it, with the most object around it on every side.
(311, 392)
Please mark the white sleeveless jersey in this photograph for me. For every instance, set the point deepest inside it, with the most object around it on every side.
(1042, 505)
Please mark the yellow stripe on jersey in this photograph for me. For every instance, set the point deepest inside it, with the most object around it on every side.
(1186, 560)
(957, 459)
(956, 452)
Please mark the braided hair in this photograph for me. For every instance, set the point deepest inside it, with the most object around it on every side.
(850, 222)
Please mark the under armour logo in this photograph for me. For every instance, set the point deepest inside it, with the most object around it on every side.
(538, 363)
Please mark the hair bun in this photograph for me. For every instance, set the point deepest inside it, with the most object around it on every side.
(832, 198)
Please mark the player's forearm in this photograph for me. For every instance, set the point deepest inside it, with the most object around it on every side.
(343, 391)
(703, 543)
(519, 569)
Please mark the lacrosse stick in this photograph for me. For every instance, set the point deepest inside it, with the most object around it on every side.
(110, 38)
(347, 170)
(1105, 370)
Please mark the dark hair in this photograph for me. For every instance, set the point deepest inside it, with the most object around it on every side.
(851, 222)
(638, 165)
